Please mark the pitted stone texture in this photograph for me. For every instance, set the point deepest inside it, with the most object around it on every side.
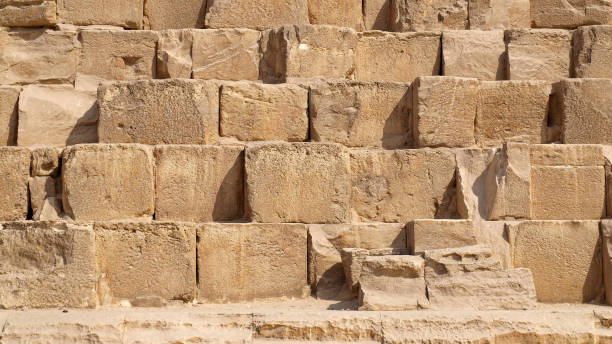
(443, 111)
(174, 50)
(253, 111)
(56, 116)
(160, 14)
(606, 237)
(255, 14)
(592, 52)
(297, 182)
(226, 54)
(125, 13)
(34, 55)
(9, 97)
(430, 234)
(570, 14)
(47, 264)
(199, 183)
(173, 111)
(564, 256)
(14, 174)
(407, 15)
(353, 259)
(538, 54)
(105, 182)
(399, 57)
(146, 259)
(474, 54)
(241, 262)
(361, 114)
(388, 185)
(377, 14)
(499, 14)
(28, 13)
(344, 13)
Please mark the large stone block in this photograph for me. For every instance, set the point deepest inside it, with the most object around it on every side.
(253, 111)
(567, 155)
(360, 114)
(345, 13)
(146, 260)
(592, 52)
(377, 15)
(126, 13)
(400, 57)
(431, 234)
(160, 14)
(474, 54)
(14, 174)
(105, 182)
(440, 15)
(30, 56)
(9, 96)
(297, 182)
(564, 257)
(538, 54)
(353, 259)
(28, 13)
(570, 14)
(199, 183)
(241, 262)
(606, 237)
(443, 111)
(472, 166)
(172, 111)
(499, 14)
(174, 51)
(47, 264)
(388, 185)
(255, 14)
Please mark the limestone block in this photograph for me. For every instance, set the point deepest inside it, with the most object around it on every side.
(499, 14)
(56, 116)
(592, 52)
(586, 111)
(361, 114)
(45, 161)
(27, 13)
(226, 54)
(474, 54)
(118, 54)
(392, 283)
(297, 182)
(377, 15)
(443, 111)
(47, 264)
(400, 57)
(255, 14)
(240, 262)
(345, 13)
(472, 167)
(438, 234)
(388, 185)
(542, 54)
(567, 155)
(160, 15)
(431, 15)
(9, 96)
(146, 259)
(29, 56)
(521, 118)
(253, 111)
(308, 51)
(606, 236)
(174, 54)
(172, 111)
(564, 257)
(354, 258)
(41, 189)
(105, 182)
(125, 13)
(14, 174)
(456, 261)
(198, 183)
(570, 14)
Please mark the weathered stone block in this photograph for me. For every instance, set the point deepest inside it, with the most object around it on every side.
(400, 57)
(353, 259)
(456, 261)
(499, 14)
(47, 264)
(160, 15)
(388, 185)
(297, 182)
(474, 54)
(105, 182)
(198, 183)
(344, 13)
(240, 262)
(592, 52)
(14, 174)
(174, 50)
(570, 14)
(45, 161)
(564, 257)
(538, 54)
(359, 114)
(409, 15)
(377, 15)
(9, 96)
(606, 236)
(438, 234)
(567, 155)
(126, 13)
(257, 112)
(170, 111)
(27, 13)
(45, 195)
(255, 14)
(472, 166)
(443, 111)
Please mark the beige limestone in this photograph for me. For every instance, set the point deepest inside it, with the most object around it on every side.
(456, 261)
(27, 13)
(608, 166)
(409, 15)
(146, 259)
(538, 54)
(474, 54)
(255, 14)
(45, 161)
(592, 46)
(35, 55)
(198, 183)
(125, 13)
(563, 256)
(567, 155)
(354, 258)
(499, 14)
(361, 114)
(443, 111)
(431, 234)
(56, 116)
(239, 262)
(345, 13)
(14, 174)
(297, 182)
(47, 264)
(40, 190)
(472, 167)
(570, 14)
(377, 15)
(174, 50)
(9, 97)
(606, 237)
(388, 185)
(253, 111)
(173, 111)
(160, 15)
(400, 57)
(226, 54)
(105, 182)
(50, 210)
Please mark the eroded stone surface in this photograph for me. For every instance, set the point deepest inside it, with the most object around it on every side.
(377, 15)
(256, 14)
(499, 14)
(14, 174)
(542, 54)
(353, 259)
(592, 52)
(174, 51)
(45, 161)
(28, 13)
(159, 14)
(570, 14)
(474, 54)
(9, 97)
(125, 13)
(426, 234)
(346, 13)
(429, 15)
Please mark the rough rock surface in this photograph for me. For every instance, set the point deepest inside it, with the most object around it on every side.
(430, 234)
(125, 13)
(255, 14)
(354, 258)
(174, 54)
(592, 52)
(542, 54)
(345, 13)
(160, 15)
(474, 54)
(14, 174)
(45, 161)
(430, 15)
(28, 13)
(9, 97)
(570, 14)
(499, 14)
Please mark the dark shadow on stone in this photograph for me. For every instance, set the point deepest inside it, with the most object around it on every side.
(229, 203)
(86, 128)
(393, 134)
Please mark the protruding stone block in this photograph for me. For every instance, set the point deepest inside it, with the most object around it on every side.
(174, 50)
(606, 236)
(499, 14)
(45, 161)
(105, 182)
(126, 13)
(344, 13)
(592, 51)
(474, 54)
(360, 114)
(9, 97)
(430, 15)
(353, 259)
(430, 234)
(570, 14)
(538, 54)
(255, 14)
(297, 182)
(160, 14)
(377, 14)
(28, 13)
(199, 183)
(170, 111)
(14, 174)
(241, 262)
